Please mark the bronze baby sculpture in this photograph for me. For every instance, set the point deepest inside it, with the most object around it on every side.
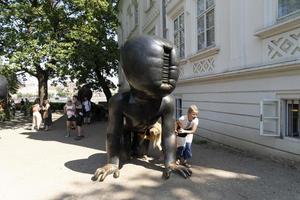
(150, 66)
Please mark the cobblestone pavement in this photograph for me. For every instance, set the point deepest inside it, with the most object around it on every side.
(46, 165)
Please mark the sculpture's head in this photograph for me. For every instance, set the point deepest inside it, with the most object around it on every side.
(150, 66)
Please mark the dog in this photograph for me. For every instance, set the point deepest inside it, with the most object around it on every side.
(153, 134)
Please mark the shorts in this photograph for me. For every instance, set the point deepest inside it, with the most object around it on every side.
(79, 120)
(87, 114)
(71, 118)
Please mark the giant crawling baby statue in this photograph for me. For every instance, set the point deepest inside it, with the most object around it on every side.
(151, 70)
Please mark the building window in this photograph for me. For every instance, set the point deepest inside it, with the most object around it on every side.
(136, 14)
(205, 23)
(293, 118)
(179, 35)
(178, 108)
(287, 7)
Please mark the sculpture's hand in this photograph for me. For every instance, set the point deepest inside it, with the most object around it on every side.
(181, 170)
(102, 173)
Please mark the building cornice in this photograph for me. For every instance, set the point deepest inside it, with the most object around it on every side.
(278, 28)
(238, 73)
(207, 52)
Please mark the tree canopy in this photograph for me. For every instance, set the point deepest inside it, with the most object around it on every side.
(55, 38)
(95, 57)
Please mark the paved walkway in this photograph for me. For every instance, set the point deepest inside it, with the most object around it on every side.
(46, 165)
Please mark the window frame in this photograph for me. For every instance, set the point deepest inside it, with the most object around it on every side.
(267, 118)
(136, 13)
(180, 31)
(287, 16)
(178, 107)
(205, 29)
(287, 119)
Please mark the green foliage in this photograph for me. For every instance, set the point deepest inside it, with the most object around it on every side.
(55, 106)
(96, 52)
(10, 74)
(46, 37)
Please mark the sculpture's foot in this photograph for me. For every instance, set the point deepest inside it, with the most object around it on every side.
(181, 170)
(102, 173)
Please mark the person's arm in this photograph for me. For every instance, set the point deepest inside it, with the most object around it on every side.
(193, 129)
(47, 106)
(65, 109)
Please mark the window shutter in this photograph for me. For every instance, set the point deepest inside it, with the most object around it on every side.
(269, 123)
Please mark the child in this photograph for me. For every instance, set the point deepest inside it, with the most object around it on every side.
(186, 127)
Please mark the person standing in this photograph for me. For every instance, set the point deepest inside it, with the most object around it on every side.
(79, 118)
(189, 124)
(47, 115)
(36, 115)
(86, 110)
(69, 110)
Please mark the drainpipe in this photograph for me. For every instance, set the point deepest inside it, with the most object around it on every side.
(164, 19)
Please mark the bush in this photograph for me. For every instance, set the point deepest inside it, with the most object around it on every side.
(2, 116)
(56, 106)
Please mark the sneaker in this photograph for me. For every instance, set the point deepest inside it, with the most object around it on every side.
(68, 135)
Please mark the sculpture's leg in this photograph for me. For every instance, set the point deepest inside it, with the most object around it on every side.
(140, 145)
(126, 143)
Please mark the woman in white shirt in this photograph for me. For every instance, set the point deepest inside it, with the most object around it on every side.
(69, 110)
(36, 115)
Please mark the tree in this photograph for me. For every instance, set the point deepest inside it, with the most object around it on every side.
(12, 78)
(96, 54)
(33, 38)
(55, 38)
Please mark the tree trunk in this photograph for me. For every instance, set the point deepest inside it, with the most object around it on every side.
(42, 77)
(103, 85)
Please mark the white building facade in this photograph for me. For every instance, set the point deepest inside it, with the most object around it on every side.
(239, 63)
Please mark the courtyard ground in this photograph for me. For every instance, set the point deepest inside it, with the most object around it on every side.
(46, 165)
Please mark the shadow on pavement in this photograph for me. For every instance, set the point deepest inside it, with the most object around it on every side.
(18, 121)
(218, 173)
(94, 134)
(89, 165)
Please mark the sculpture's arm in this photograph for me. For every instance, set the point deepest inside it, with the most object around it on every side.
(169, 140)
(114, 132)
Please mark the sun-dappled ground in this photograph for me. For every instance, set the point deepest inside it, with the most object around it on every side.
(46, 165)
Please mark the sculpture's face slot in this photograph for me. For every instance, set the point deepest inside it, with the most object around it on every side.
(165, 85)
(150, 66)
